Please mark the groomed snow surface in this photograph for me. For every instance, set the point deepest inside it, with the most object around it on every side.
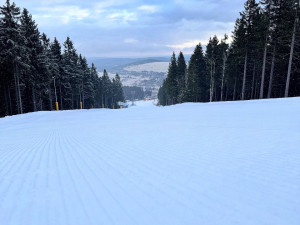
(206, 164)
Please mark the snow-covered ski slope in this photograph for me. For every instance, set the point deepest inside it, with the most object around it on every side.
(191, 164)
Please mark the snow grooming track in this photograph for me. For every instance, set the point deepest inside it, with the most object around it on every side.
(213, 164)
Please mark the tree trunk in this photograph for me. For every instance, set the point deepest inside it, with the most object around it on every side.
(82, 94)
(253, 78)
(61, 102)
(6, 99)
(261, 95)
(33, 99)
(244, 77)
(211, 82)
(287, 86)
(9, 99)
(256, 90)
(72, 101)
(16, 87)
(19, 92)
(215, 98)
(41, 102)
(223, 74)
(234, 90)
(272, 71)
(50, 98)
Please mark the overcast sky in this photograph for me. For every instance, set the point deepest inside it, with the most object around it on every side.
(134, 28)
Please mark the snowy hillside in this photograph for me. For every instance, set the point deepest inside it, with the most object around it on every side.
(158, 67)
(191, 164)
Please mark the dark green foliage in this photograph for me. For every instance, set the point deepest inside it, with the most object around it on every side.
(13, 54)
(133, 92)
(197, 86)
(172, 81)
(118, 90)
(181, 77)
(34, 73)
(259, 62)
(162, 95)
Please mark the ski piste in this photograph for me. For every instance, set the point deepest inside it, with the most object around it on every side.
(214, 163)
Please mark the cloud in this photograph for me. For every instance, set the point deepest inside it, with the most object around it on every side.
(130, 40)
(122, 16)
(148, 8)
(108, 5)
(186, 45)
(63, 13)
(134, 27)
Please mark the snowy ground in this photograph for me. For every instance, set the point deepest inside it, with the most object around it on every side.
(191, 164)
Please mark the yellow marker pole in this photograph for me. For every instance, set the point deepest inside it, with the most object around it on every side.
(102, 105)
(80, 105)
(120, 107)
(56, 104)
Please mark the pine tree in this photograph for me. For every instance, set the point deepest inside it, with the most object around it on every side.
(98, 87)
(248, 15)
(172, 81)
(119, 94)
(88, 85)
(13, 48)
(296, 22)
(106, 89)
(181, 76)
(162, 95)
(197, 87)
(69, 79)
(224, 54)
(58, 79)
(37, 77)
(212, 59)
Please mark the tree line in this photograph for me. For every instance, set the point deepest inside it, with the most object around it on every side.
(35, 72)
(262, 60)
(134, 92)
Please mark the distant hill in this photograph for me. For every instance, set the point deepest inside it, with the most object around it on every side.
(147, 73)
(115, 65)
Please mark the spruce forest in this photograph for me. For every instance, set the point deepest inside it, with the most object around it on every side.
(35, 72)
(262, 60)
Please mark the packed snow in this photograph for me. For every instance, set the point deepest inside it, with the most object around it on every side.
(158, 67)
(190, 164)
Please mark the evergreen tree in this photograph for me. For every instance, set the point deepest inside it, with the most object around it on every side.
(106, 90)
(172, 81)
(248, 17)
(295, 10)
(181, 76)
(88, 91)
(119, 94)
(98, 87)
(223, 49)
(34, 47)
(69, 65)
(197, 87)
(212, 60)
(46, 70)
(58, 78)
(162, 95)
(13, 51)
